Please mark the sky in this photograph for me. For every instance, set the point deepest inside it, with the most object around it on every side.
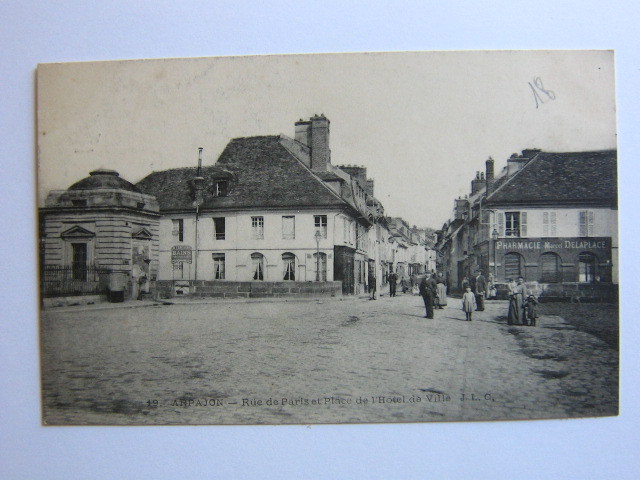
(422, 123)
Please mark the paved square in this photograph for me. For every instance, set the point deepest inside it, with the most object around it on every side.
(316, 361)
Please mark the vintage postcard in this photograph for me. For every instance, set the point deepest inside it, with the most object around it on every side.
(329, 238)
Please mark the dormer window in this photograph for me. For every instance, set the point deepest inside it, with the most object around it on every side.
(220, 188)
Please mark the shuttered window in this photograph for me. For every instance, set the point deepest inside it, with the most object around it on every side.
(586, 221)
(549, 268)
(549, 224)
(512, 265)
(500, 223)
(289, 227)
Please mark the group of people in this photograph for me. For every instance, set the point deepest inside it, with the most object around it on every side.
(523, 307)
(433, 289)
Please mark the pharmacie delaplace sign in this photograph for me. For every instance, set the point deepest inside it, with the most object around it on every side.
(598, 243)
(181, 254)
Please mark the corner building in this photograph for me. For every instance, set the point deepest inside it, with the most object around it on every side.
(550, 218)
(273, 216)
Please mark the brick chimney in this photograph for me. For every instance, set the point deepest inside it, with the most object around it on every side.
(314, 133)
(369, 188)
(303, 132)
(477, 183)
(489, 176)
(320, 152)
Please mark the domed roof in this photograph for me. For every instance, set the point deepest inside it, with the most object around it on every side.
(103, 178)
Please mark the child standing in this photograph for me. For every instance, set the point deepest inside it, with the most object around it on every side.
(531, 310)
(468, 302)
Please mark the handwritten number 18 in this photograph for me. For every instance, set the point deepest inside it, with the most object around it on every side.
(538, 91)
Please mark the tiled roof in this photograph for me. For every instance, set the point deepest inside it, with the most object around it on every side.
(562, 178)
(264, 174)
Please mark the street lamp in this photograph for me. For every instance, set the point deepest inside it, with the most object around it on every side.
(494, 237)
(318, 236)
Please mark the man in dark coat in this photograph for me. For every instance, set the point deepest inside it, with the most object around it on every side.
(480, 290)
(393, 278)
(428, 292)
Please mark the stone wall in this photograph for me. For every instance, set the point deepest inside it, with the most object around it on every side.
(227, 289)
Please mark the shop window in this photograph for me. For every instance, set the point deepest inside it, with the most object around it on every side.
(289, 227)
(257, 228)
(586, 221)
(219, 228)
(513, 265)
(320, 267)
(320, 222)
(587, 267)
(178, 229)
(550, 268)
(257, 262)
(218, 266)
(289, 261)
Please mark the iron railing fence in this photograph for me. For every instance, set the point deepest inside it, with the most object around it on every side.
(57, 280)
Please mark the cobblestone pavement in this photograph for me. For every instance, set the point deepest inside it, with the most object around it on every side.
(322, 361)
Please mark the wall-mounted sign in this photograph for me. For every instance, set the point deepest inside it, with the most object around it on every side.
(598, 243)
(181, 254)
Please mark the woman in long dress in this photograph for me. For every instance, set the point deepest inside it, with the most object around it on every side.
(441, 289)
(517, 294)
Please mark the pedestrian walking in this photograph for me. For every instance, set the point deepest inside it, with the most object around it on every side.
(468, 303)
(393, 279)
(518, 293)
(441, 289)
(428, 292)
(404, 284)
(372, 284)
(480, 290)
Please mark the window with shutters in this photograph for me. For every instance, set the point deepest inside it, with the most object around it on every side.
(289, 227)
(549, 224)
(219, 228)
(587, 267)
(586, 222)
(515, 224)
(513, 265)
(218, 266)
(550, 268)
(257, 228)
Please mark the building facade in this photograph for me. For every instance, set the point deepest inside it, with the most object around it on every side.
(272, 217)
(550, 218)
(101, 230)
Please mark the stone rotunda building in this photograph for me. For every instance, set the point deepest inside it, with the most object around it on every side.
(101, 233)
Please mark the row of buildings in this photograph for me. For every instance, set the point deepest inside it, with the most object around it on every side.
(550, 218)
(273, 216)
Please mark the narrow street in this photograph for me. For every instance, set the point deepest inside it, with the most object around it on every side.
(317, 361)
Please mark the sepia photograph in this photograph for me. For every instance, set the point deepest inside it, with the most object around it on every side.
(347, 238)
